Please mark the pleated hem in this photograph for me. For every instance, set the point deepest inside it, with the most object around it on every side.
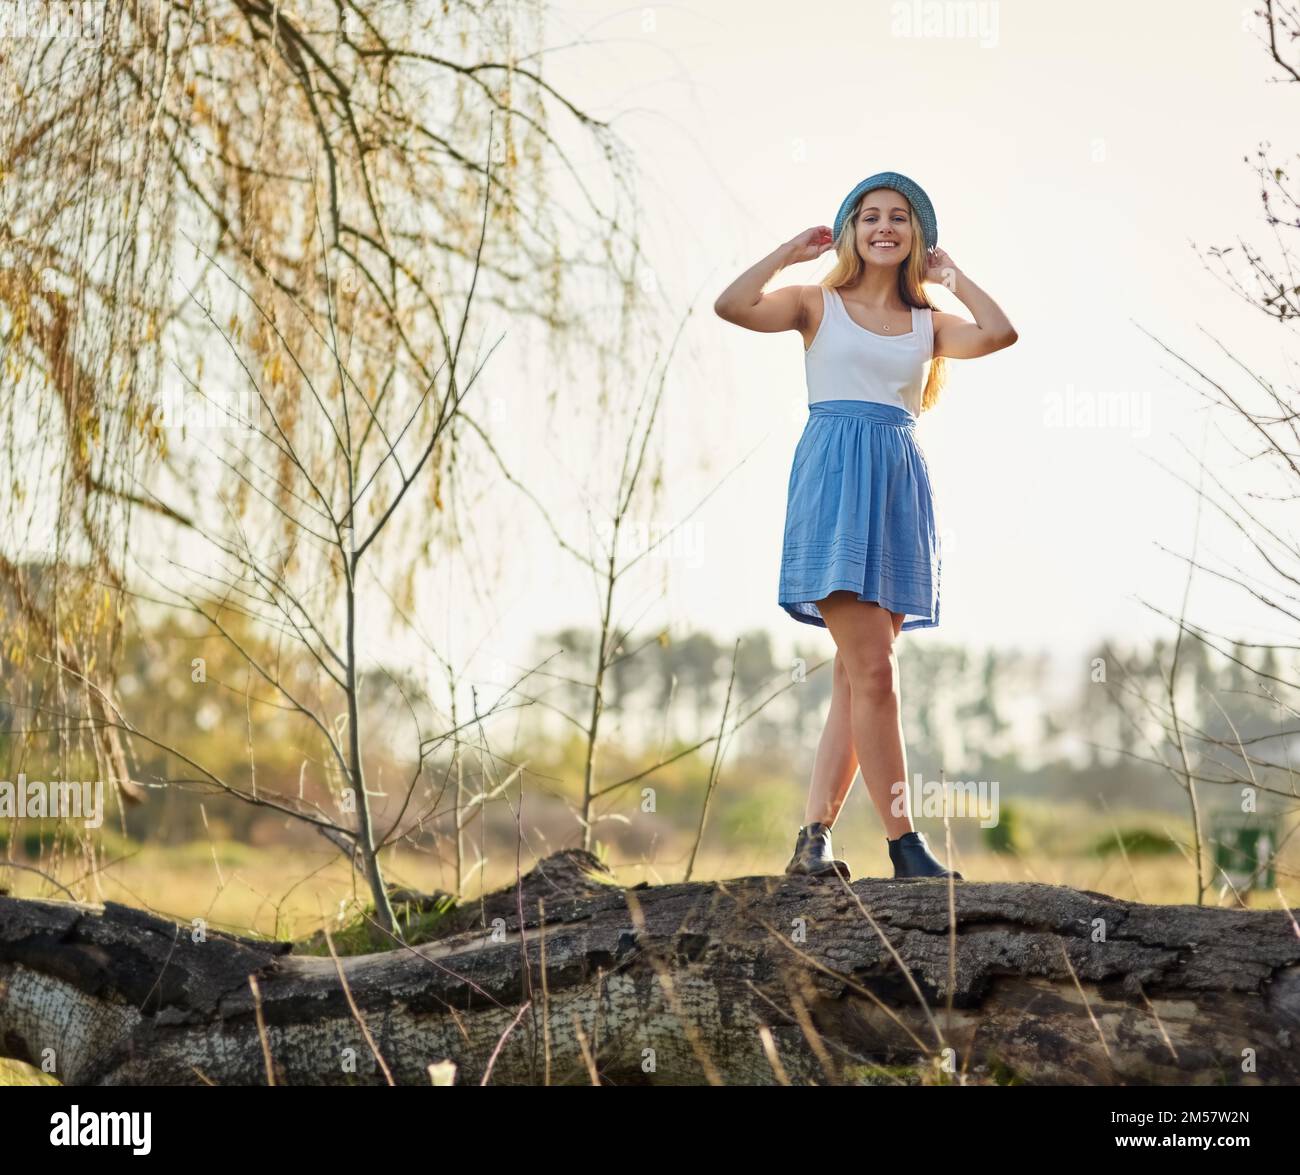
(801, 603)
(914, 616)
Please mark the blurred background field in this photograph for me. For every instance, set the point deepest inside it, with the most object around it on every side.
(288, 893)
(1069, 768)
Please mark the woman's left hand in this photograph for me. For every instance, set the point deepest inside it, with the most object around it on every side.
(939, 267)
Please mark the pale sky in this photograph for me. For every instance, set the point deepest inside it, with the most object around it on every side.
(1072, 161)
(1073, 156)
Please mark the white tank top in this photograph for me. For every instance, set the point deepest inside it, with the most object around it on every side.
(848, 362)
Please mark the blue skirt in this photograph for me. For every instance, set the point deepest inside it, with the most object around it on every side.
(860, 514)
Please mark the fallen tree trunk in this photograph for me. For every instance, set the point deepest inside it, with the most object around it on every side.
(568, 978)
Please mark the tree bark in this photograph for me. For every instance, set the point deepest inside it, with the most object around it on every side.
(751, 981)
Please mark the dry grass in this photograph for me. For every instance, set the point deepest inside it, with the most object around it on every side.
(282, 893)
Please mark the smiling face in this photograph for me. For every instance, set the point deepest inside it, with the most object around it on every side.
(883, 223)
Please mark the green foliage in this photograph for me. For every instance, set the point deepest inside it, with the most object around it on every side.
(364, 937)
(1140, 842)
(228, 853)
(37, 839)
(1003, 1074)
(1003, 837)
(869, 1074)
(745, 815)
(33, 840)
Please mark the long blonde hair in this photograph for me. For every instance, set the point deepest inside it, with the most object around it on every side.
(849, 265)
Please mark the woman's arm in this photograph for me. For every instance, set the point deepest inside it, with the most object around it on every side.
(744, 303)
(955, 337)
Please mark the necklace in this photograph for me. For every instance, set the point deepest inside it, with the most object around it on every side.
(886, 325)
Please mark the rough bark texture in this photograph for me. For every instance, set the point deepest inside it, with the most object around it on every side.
(752, 981)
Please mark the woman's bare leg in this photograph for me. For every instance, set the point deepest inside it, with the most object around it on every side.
(864, 635)
(837, 761)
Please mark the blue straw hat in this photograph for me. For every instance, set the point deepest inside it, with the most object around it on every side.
(899, 183)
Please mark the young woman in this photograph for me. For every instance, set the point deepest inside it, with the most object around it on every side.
(861, 552)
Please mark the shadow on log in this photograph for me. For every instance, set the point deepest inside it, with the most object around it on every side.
(568, 978)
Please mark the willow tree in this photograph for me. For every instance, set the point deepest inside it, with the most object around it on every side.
(246, 251)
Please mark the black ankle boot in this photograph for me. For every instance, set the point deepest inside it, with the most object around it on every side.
(812, 853)
(912, 858)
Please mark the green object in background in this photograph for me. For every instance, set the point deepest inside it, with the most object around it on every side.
(1002, 837)
(1135, 842)
(1243, 844)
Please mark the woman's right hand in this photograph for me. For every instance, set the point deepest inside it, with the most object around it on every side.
(810, 244)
